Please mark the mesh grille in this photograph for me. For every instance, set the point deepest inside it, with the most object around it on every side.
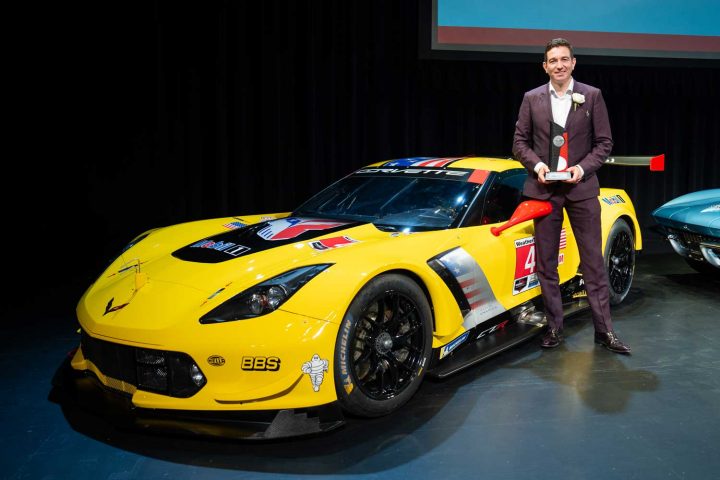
(691, 239)
(128, 368)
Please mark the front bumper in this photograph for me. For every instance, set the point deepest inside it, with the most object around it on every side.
(72, 388)
(695, 246)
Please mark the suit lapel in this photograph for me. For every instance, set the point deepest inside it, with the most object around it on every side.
(573, 111)
(545, 94)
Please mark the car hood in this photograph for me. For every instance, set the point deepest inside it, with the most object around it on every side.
(173, 276)
(698, 212)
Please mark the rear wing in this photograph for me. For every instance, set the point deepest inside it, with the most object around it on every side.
(656, 163)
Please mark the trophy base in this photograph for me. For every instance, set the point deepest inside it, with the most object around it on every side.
(551, 176)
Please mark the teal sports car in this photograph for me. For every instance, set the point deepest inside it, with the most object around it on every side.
(691, 223)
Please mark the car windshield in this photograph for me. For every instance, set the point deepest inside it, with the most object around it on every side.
(395, 201)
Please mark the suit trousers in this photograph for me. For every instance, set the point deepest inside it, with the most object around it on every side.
(585, 221)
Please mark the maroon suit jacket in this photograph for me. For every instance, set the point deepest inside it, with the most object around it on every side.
(589, 140)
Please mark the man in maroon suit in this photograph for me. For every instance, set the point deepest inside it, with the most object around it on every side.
(581, 110)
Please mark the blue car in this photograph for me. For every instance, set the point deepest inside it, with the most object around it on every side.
(692, 225)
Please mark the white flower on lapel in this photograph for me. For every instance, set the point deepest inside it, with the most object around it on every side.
(578, 99)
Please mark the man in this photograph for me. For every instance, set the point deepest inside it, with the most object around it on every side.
(581, 111)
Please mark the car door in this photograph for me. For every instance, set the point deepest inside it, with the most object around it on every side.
(508, 261)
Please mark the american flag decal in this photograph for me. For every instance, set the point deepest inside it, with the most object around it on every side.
(475, 287)
(234, 225)
(421, 162)
(563, 238)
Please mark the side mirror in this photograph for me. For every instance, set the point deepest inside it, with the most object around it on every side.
(527, 210)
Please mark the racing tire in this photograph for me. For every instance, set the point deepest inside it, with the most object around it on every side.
(620, 260)
(383, 346)
(703, 267)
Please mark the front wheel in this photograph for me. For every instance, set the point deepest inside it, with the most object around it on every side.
(620, 260)
(383, 346)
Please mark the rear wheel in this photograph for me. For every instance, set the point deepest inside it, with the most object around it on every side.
(620, 260)
(383, 346)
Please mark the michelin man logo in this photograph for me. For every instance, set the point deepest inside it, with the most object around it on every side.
(316, 368)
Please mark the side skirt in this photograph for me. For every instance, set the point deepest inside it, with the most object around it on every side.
(520, 324)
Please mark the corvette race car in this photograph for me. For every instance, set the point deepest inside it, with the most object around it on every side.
(691, 223)
(265, 326)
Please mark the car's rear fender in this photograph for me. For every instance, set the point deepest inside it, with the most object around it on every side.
(616, 205)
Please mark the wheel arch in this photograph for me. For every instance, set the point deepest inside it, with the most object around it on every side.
(630, 219)
(446, 316)
(635, 227)
(420, 283)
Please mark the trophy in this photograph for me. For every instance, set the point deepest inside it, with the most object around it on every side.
(558, 153)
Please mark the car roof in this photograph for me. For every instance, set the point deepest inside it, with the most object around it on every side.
(493, 164)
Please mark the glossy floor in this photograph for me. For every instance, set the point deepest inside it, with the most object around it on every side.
(575, 412)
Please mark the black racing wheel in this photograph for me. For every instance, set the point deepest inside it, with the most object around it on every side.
(620, 260)
(383, 346)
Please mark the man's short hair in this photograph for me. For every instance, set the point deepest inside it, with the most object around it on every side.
(557, 42)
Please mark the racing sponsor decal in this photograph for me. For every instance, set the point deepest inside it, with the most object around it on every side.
(287, 228)
(492, 329)
(446, 349)
(260, 364)
(330, 243)
(315, 368)
(526, 262)
(255, 238)
(226, 247)
(216, 360)
(475, 287)
(233, 225)
(525, 265)
(614, 199)
(345, 377)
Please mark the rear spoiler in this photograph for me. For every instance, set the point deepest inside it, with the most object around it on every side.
(656, 163)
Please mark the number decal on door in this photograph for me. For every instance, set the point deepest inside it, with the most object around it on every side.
(525, 265)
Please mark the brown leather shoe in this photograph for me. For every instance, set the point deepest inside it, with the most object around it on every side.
(552, 338)
(611, 342)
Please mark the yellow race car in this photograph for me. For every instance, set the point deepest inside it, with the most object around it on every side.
(265, 326)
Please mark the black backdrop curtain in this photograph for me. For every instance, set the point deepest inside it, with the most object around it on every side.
(164, 112)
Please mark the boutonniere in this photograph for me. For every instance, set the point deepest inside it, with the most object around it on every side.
(578, 99)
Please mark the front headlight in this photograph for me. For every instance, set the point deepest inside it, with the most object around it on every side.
(263, 298)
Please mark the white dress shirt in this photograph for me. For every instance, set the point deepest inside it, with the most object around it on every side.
(561, 105)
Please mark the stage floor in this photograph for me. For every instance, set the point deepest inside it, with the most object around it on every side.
(575, 412)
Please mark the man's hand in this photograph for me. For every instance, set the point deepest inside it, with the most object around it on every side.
(576, 172)
(541, 171)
